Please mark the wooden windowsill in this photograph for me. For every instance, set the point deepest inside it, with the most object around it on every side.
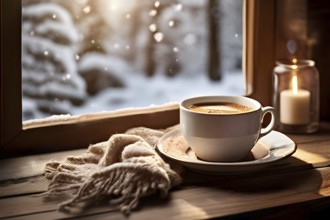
(298, 183)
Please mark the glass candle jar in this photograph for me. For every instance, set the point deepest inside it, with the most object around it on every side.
(296, 96)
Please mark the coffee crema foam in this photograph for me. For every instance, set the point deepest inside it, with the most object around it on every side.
(220, 108)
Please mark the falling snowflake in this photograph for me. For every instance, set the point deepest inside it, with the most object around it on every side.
(159, 36)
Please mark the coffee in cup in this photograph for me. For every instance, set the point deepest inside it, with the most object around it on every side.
(220, 108)
(223, 128)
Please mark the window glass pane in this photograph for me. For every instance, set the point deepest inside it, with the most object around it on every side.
(83, 56)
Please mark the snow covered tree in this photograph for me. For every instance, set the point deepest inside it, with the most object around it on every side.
(50, 81)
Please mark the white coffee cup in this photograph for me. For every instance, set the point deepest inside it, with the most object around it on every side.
(223, 137)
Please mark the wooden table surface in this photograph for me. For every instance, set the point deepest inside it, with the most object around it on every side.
(297, 187)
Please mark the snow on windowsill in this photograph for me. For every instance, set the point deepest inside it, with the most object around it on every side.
(70, 119)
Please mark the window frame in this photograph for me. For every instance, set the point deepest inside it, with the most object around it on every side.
(17, 140)
(259, 36)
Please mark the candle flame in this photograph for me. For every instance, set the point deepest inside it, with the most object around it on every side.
(294, 85)
(294, 60)
(294, 67)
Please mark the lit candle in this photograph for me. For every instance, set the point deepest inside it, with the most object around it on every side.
(295, 104)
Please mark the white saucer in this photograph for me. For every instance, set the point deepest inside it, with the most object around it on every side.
(269, 149)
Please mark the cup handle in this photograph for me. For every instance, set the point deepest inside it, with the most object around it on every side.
(272, 123)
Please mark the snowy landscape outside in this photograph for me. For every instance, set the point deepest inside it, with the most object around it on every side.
(83, 56)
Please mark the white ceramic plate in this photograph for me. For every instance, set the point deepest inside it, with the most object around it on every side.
(269, 149)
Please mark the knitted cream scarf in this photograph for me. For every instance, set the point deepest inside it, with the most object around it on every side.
(123, 169)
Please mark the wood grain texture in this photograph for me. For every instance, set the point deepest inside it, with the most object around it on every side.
(298, 186)
(23, 167)
(321, 135)
(206, 198)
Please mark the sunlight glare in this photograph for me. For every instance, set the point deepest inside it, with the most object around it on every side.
(87, 9)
